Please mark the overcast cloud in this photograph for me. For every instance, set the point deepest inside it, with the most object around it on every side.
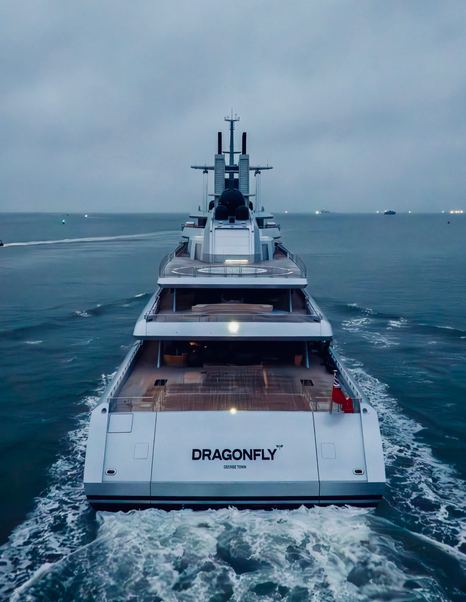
(359, 105)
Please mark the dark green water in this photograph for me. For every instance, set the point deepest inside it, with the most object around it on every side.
(395, 291)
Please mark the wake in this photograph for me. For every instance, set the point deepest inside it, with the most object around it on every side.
(64, 550)
(89, 239)
(425, 493)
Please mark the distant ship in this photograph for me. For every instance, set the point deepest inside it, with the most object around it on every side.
(322, 211)
(232, 394)
(389, 212)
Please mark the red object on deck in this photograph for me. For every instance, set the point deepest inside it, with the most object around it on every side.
(339, 397)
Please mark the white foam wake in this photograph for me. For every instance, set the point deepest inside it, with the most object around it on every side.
(61, 519)
(378, 339)
(328, 554)
(63, 241)
(63, 551)
(426, 493)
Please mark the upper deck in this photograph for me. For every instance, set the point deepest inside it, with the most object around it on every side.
(179, 269)
(232, 241)
(236, 312)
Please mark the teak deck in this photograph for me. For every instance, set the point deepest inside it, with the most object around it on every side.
(224, 387)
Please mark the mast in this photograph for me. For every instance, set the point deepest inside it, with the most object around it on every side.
(232, 120)
(241, 168)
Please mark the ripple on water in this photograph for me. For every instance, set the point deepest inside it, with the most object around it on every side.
(426, 493)
(63, 551)
(306, 554)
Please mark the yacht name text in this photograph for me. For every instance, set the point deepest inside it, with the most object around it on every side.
(234, 454)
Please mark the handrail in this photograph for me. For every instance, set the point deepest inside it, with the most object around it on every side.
(154, 306)
(169, 256)
(165, 261)
(311, 305)
(251, 270)
(224, 317)
(237, 271)
(354, 389)
(129, 403)
(295, 258)
(122, 371)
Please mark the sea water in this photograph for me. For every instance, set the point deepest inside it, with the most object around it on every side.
(394, 288)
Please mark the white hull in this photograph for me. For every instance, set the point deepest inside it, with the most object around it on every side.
(232, 396)
(141, 459)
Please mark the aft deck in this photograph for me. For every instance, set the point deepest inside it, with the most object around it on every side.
(216, 387)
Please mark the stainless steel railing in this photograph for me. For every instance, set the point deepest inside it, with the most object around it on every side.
(313, 310)
(295, 258)
(154, 308)
(122, 371)
(240, 317)
(217, 269)
(348, 380)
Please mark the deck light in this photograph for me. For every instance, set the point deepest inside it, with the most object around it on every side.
(233, 410)
(233, 327)
(236, 261)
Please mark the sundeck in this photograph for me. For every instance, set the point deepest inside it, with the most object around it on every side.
(232, 393)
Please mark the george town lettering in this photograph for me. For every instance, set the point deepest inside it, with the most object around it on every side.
(234, 454)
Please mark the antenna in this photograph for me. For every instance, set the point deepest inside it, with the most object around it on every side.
(205, 186)
(257, 175)
(224, 175)
(233, 118)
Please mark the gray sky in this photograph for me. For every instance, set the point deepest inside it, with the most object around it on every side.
(359, 105)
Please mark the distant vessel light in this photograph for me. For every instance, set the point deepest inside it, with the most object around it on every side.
(233, 327)
(233, 410)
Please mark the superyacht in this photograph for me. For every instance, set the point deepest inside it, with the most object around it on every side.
(232, 394)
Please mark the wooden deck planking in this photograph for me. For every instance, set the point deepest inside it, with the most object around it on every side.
(217, 388)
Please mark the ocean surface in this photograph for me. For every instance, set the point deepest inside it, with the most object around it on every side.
(395, 290)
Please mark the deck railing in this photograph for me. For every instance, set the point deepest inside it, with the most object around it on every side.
(220, 269)
(153, 314)
(169, 257)
(348, 381)
(154, 308)
(122, 372)
(291, 318)
(295, 258)
(209, 399)
(132, 404)
(312, 307)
